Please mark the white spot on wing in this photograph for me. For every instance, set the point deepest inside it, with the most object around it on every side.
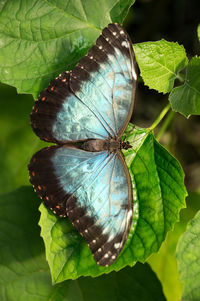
(113, 257)
(121, 31)
(134, 74)
(106, 255)
(114, 33)
(124, 44)
(129, 215)
(117, 245)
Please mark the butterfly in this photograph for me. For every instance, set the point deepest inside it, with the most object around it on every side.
(85, 112)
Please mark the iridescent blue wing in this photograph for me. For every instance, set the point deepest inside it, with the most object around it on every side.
(95, 100)
(93, 189)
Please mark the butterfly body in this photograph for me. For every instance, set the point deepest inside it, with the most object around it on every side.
(85, 112)
(111, 145)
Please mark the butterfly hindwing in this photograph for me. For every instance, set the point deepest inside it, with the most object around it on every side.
(94, 100)
(92, 189)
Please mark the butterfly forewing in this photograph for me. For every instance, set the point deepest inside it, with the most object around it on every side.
(59, 116)
(95, 100)
(92, 189)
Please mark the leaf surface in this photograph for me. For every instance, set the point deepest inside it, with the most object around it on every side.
(41, 39)
(188, 258)
(164, 263)
(24, 272)
(160, 63)
(198, 32)
(185, 99)
(138, 283)
(17, 140)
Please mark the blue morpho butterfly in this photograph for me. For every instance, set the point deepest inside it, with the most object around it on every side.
(85, 111)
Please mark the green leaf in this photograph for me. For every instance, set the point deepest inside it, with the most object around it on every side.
(158, 195)
(137, 284)
(164, 262)
(198, 32)
(120, 10)
(188, 258)
(185, 99)
(17, 140)
(24, 273)
(49, 37)
(160, 63)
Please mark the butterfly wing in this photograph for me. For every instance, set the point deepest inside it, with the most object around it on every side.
(92, 189)
(95, 100)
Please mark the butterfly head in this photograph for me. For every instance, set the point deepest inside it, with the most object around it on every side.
(125, 145)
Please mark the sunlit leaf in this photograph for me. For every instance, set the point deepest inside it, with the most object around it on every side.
(160, 63)
(49, 37)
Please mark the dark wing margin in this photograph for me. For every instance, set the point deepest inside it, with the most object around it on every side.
(48, 105)
(105, 248)
(45, 182)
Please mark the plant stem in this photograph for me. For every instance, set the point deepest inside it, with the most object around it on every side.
(160, 117)
(180, 77)
(165, 125)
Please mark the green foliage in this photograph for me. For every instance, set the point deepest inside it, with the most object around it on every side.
(185, 99)
(188, 258)
(17, 140)
(24, 273)
(198, 32)
(160, 62)
(158, 195)
(164, 262)
(49, 37)
(130, 284)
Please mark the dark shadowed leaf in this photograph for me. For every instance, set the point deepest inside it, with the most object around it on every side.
(185, 99)
(17, 140)
(138, 283)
